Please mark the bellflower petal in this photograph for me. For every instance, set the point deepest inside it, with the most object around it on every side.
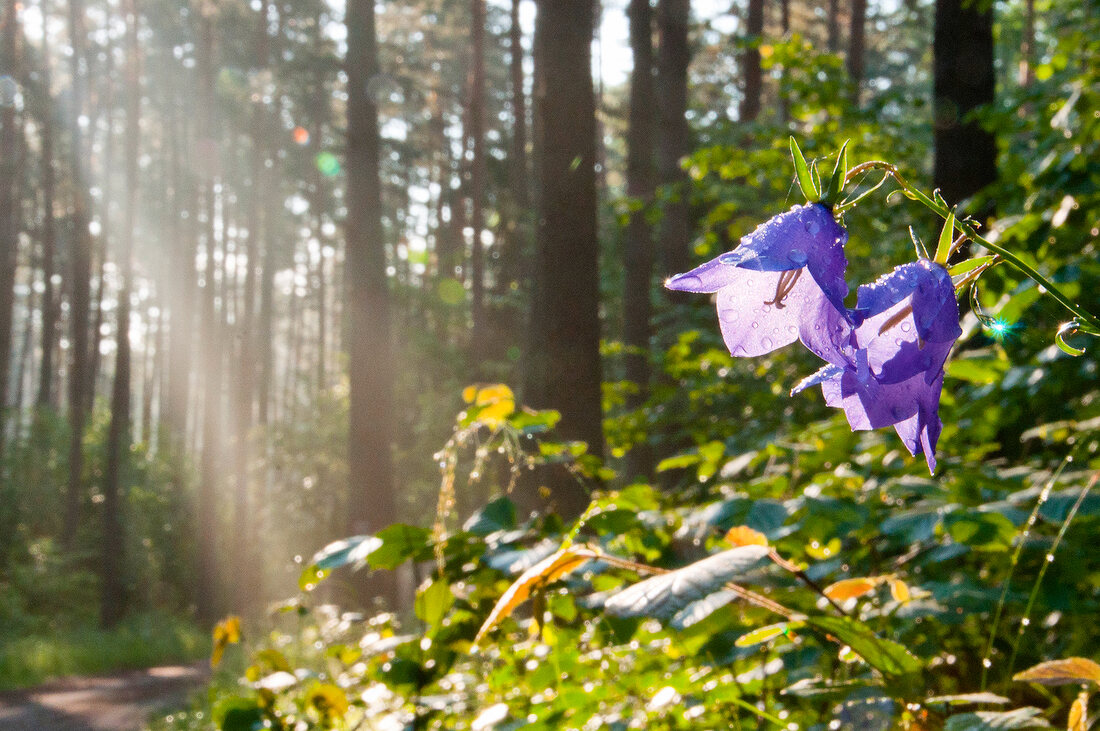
(907, 321)
(783, 283)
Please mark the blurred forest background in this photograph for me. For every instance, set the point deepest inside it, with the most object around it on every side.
(251, 252)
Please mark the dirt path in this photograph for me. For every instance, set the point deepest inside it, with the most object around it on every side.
(120, 702)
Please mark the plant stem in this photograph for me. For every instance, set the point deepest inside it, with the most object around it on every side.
(968, 229)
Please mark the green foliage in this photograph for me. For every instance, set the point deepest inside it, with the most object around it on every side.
(140, 641)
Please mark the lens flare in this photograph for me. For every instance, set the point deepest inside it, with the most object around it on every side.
(328, 164)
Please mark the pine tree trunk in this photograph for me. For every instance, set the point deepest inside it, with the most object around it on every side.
(834, 26)
(80, 290)
(9, 209)
(750, 62)
(963, 79)
(477, 174)
(563, 365)
(371, 500)
(673, 58)
(856, 49)
(118, 436)
(51, 305)
(207, 599)
(638, 259)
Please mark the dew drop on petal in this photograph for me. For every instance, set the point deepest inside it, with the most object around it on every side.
(797, 256)
(906, 327)
(755, 325)
(728, 315)
(767, 342)
(792, 329)
(812, 227)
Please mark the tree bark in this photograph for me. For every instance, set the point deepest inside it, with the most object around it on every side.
(9, 208)
(834, 26)
(207, 599)
(673, 58)
(80, 290)
(638, 260)
(477, 174)
(563, 365)
(963, 80)
(750, 62)
(113, 601)
(856, 49)
(51, 304)
(371, 500)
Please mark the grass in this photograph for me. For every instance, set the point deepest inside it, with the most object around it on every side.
(141, 641)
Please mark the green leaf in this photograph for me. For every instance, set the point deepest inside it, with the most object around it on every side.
(947, 236)
(763, 634)
(679, 462)
(433, 603)
(237, 714)
(984, 531)
(500, 514)
(886, 656)
(664, 595)
(1019, 718)
(969, 265)
(349, 550)
(965, 698)
(802, 171)
(400, 542)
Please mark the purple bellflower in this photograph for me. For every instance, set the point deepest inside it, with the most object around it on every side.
(783, 283)
(890, 370)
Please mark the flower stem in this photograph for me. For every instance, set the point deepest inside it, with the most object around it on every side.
(971, 233)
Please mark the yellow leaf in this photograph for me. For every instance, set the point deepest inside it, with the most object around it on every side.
(899, 590)
(763, 634)
(329, 700)
(544, 572)
(1062, 672)
(1078, 713)
(766, 51)
(847, 589)
(494, 393)
(742, 535)
(497, 402)
(226, 632)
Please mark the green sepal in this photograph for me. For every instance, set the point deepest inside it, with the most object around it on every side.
(802, 171)
(835, 187)
(947, 235)
(969, 265)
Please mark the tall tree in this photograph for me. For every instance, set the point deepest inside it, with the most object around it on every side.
(963, 80)
(856, 48)
(371, 503)
(207, 597)
(638, 261)
(9, 229)
(118, 434)
(563, 362)
(80, 271)
(51, 304)
(673, 58)
(477, 171)
(750, 63)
